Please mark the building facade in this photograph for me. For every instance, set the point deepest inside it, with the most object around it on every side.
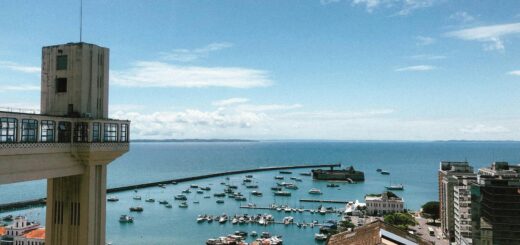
(462, 208)
(448, 169)
(384, 203)
(495, 206)
(22, 232)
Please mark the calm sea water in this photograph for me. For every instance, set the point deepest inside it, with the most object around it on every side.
(413, 164)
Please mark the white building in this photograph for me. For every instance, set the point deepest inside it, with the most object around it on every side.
(384, 203)
(462, 209)
(23, 232)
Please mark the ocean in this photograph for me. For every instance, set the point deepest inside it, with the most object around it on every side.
(413, 164)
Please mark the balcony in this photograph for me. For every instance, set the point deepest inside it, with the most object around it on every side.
(34, 146)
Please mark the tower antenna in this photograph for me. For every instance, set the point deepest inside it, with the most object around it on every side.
(80, 21)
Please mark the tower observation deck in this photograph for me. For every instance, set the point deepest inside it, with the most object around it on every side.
(70, 143)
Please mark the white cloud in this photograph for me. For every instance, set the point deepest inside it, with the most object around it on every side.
(20, 68)
(462, 16)
(427, 57)
(369, 4)
(417, 68)
(9, 88)
(187, 55)
(325, 2)
(268, 107)
(424, 41)
(230, 101)
(514, 73)
(481, 128)
(492, 36)
(160, 74)
(411, 5)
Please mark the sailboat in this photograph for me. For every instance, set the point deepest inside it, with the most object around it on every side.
(391, 187)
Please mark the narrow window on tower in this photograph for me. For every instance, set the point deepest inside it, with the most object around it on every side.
(61, 62)
(61, 85)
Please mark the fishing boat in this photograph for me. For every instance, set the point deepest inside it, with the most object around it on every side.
(240, 198)
(163, 202)
(385, 172)
(291, 186)
(249, 176)
(136, 209)
(332, 185)
(253, 234)
(220, 201)
(207, 197)
(221, 194)
(112, 199)
(305, 174)
(232, 186)
(223, 219)
(296, 179)
(379, 170)
(282, 193)
(322, 210)
(183, 205)
(168, 205)
(196, 202)
(247, 180)
(287, 209)
(285, 172)
(251, 186)
(279, 177)
(186, 191)
(200, 192)
(276, 188)
(180, 197)
(256, 193)
(315, 191)
(137, 197)
(206, 188)
(287, 220)
(194, 186)
(126, 219)
(150, 200)
(320, 237)
(399, 187)
(201, 218)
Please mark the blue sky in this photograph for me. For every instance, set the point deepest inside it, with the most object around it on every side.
(329, 69)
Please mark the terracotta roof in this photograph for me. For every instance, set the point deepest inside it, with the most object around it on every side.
(2, 230)
(36, 234)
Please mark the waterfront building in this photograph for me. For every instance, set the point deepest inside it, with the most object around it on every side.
(70, 143)
(385, 203)
(34, 237)
(462, 208)
(447, 169)
(14, 233)
(495, 206)
(377, 232)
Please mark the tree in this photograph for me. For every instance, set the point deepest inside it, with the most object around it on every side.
(401, 220)
(431, 210)
(344, 225)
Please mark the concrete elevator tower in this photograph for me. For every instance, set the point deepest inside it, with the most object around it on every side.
(70, 143)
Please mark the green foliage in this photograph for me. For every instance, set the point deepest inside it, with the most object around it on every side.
(431, 210)
(401, 220)
(344, 225)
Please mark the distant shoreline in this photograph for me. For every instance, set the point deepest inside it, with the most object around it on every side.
(194, 140)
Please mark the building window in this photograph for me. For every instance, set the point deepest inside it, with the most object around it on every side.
(64, 129)
(124, 132)
(8, 127)
(81, 132)
(96, 132)
(110, 132)
(61, 85)
(47, 131)
(29, 130)
(61, 62)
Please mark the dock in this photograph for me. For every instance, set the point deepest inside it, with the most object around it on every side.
(41, 201)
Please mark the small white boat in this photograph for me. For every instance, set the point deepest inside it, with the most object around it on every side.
(234, 221)
(137, 197)
(253, 234)
(201, 218)
(183, 205)
(150, 200)
(315, 191)
(126, 219)
(112, 199)
(320, 237)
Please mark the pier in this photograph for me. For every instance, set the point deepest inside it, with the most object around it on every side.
(324, 201)
(41, 201)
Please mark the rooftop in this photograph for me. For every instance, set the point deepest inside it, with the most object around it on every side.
(35, 234)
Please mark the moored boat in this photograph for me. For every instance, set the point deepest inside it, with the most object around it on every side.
(332, 185)
(180, 197)
(320, 237)
(315, 191)
(136, 209)
(395, 187)
(183, 205)
(385, 172)
(150, 200)
(126, 219)
(285, 172)
(112, 199)
(282, 193)
(137, 197)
